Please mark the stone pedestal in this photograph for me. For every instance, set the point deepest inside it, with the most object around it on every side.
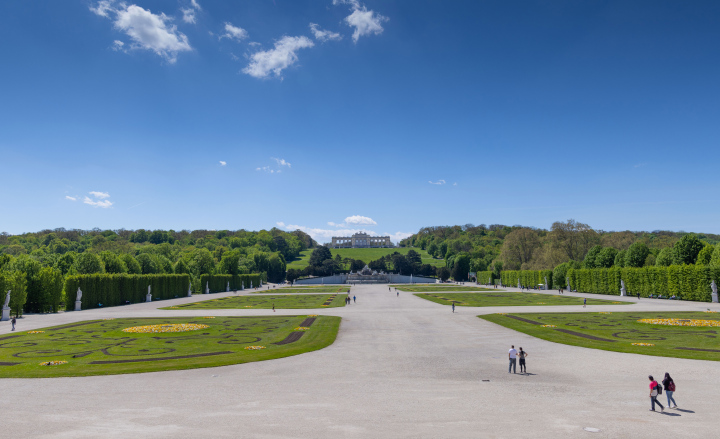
(148, 298)
(715, 297)
(5, 314)
(189, 293)
(78, 306)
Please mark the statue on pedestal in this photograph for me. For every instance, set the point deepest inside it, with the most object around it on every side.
(148, 298)
(227, 289)
(623, 291)
(190, 290)
(546, 285)
(7, 300)
(78, 296)
(713, 285)
(207, 287)
(6, 308)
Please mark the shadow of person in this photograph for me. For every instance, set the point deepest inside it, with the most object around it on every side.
(670, 414)
(684, 411)
(529, 374)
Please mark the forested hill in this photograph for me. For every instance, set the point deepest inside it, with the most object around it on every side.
(497, 247)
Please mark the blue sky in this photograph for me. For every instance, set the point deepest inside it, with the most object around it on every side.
(384, 116)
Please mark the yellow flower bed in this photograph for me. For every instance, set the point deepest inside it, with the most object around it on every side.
(301, 328)
(35, 332)
(643, 344)
(208, 317)
(170, 327)
(109, 319)
(604, 312)
(710, 312)
(248, 306)
(312, 315)
(681, 322)
(501, 313)
(617, 302)
(549, 326)
(53, 363)
(254, 348)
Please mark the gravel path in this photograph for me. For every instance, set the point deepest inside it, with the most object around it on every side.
(401, 367)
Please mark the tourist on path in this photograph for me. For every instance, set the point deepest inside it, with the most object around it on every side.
(397, 292)
(522, 354)
(354, 299)
(654, 394)
(512, 355)
(584, 302)
(453, 306)
(669, 386)
(13, 323)
(273, 307)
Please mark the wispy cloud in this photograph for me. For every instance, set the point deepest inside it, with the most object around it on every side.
(68, 197)
(360, 220)
(188, 15)
(223, 163)
(365, 22)
(639, 165)
(455, 184)
(281, 162)
(323, 35)
(100, 199)
(234, 32)
(437, 182)
(148, 31)
(273, 61)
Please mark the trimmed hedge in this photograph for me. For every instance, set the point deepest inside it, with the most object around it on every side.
(686, 282)
(116, 289)
(528, 278)
(218, 282)
(484, 276)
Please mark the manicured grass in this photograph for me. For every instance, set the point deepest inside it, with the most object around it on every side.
(511, 299)
(439, 287)
(100, 347)
(295, 290)
(365, 254)
(303, 301)
(618, 330)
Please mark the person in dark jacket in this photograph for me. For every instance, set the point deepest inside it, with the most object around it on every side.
(669, 386)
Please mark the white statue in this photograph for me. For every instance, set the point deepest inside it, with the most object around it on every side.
(546, 285)
(148, 289)
(623, 291)
(228, 287)
(242, 286)
(568, 282)
(7, 300)
(207, 287)
(251, 285)
(713, 285)
(79, 295)
(519, 286)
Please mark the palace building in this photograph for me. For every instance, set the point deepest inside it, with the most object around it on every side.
(361, 240)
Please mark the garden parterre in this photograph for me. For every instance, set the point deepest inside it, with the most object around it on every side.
(506, 298)
(299, 301)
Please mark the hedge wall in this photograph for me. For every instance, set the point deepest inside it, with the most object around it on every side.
(218, 282)
(484, 276)
(687, 282)
(115, 289)
(528, 278)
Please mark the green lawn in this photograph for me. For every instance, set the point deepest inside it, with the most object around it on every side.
(366, 255)
(303, 301)
(439, 287)
(100, 347)
(300, 289)
(618, 330)
(511, 299)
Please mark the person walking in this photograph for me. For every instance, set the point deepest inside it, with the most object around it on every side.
(453, 306)
(354, 299)
(584, 302)
(654, 394)
(397, 292)
(273, 307)
(512, 355)
(521, 355)
(669, 386)
(13, 323)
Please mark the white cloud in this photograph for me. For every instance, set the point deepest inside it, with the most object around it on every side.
(234, 32)
(98, 203)
(280, 224)
(147, 30)
(103, 8)
(365, 22)
(118, 46)
(188, 15)
(360, 220)
(195, 4)
(101, 195)
(266, 169)
(324, 35)
(281, 162)
(437, 182)
(455, 184)
(223, 163)
(274, 61)
(68, 197)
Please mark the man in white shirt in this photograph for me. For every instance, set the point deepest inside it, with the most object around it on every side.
(512, 354)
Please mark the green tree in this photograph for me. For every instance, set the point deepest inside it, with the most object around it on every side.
(705, 255)
(443, 273)
(113, 263)
(606, 258)
(35, 299)
(202, 262)
(230, 263)
(620, 258)
(148, 265)
(715, 259)
(16, 283)
(635, 256)
(181, 267)
(164, 265)
(132, 265)
(319, 255)
(461, 267)
(590, 260)
(414, 257)
(664, 258)
(65, 262)
(51, 280)
(686, 250)
(88, 263)
(432, 249)
(276, 268)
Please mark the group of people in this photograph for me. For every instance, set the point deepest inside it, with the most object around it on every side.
(657, 388)
(514, 355)
(348, 299)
